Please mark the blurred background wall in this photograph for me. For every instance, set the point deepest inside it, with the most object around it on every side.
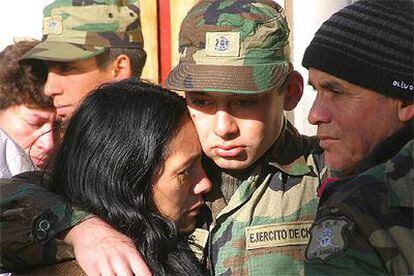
(161, 20)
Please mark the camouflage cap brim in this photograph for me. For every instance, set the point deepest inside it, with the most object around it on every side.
(228, 79)
(62, 51)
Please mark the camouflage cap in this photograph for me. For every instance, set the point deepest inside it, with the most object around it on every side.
(80, 29)
(232, 46)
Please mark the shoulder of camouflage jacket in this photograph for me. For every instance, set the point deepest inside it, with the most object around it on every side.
(378, 205)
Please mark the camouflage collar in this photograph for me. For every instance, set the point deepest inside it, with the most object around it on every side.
(288, 154)
(398, 176)
(395, 176)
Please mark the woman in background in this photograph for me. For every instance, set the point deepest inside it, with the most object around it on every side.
(27, 116)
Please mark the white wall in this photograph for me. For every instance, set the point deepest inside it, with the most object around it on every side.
(308, 16)
(20, 18)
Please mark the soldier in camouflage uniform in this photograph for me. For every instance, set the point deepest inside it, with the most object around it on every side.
(235, 68)
(236, 72)
(85, 44)
(361, 64)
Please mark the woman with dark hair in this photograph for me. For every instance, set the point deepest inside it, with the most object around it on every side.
(131, 156)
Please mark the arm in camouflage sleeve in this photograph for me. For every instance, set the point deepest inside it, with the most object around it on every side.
(31, 218)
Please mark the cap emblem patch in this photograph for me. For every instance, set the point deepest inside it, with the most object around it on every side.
(52, 25)
(220, 44)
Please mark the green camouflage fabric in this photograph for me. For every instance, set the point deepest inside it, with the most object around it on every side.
(80, 29)
(232, 46)
(264, 228)
(364, 224)
(30, 219)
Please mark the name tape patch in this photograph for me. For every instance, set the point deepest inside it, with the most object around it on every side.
(278, 234)
(222, 44)
(52, 25)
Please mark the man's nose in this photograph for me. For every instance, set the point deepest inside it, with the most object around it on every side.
(319, 113)
(52, 85)
(225, 125)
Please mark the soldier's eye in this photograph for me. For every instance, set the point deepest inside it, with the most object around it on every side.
(246, 103)
(200, 102)
(65, 68)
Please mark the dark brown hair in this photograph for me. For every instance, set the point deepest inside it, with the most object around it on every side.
(21, 84)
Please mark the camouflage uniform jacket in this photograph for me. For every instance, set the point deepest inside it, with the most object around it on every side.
(264, 227)
(31, 217)
(364, 223)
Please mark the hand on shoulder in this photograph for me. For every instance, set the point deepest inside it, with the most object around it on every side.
(101, 250)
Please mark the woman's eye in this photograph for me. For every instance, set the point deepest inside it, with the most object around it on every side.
(186, 173)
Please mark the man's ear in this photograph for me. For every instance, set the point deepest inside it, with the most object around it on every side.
(121, 67)
(294, 90)
(405, 111)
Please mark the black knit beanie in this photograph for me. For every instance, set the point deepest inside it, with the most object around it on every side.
(370, 44)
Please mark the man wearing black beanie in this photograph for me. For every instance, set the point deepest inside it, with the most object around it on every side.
(361, 65)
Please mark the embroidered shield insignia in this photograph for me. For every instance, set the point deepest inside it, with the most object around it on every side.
(327, 238)
(222, 44)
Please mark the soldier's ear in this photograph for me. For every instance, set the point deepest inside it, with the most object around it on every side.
(294, 90)
(121, 67)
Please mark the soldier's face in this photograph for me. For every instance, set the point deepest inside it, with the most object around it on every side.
(351, 120)
(69, 82)
(236, 130)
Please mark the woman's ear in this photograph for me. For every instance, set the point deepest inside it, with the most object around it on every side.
(294, 90)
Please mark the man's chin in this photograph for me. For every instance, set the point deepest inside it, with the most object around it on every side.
(232, 165)
(339, 168)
